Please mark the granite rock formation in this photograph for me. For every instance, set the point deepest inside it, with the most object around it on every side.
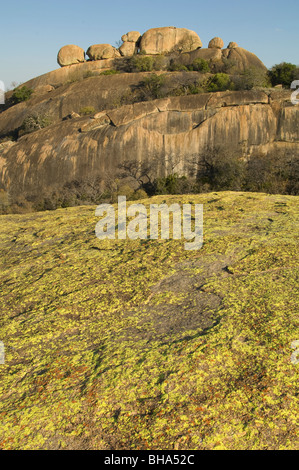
(69, 55)
(169, 39)
(216, 43)
(248, 122)
(102, 51)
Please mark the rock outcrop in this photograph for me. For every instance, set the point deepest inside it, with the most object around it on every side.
(128, 49)
(248, 122)
(241, 59)
(169, 39)
(102, 51)
(69, 55)
(185, 43)
(74, 146)
(216, 43)
(132, 36)
(236, 59)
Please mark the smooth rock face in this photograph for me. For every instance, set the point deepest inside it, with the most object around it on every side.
(101, 51)
(241, 59)
(232, 45)
(132, 36)
(127, 49)
(216, 43)
(213, 55)
(43, 89)
(248, 122)
(69, 55)
(169, 39)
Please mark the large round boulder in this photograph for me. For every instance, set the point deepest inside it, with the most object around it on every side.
(132, 36)
(241, 60)
(216, 43)
(69, 55)
(127, 49)
(232, 45)
(169, 39)
(102, 51)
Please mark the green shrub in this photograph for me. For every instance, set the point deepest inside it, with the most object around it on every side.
(4, 201)
(195, 88)
(159, 62)
(122, 190)
(283, 74)
(151, 87)
(276, 173)
(87, 110)
(175, 67)
(172, 184)
(219, 82)
(200, 65)
(220, 169)
(139, 194)
(251, 78)
(142, 63)
(89, 74)
(21, 94)
(34, 122)
(110, 72)
(226, 65)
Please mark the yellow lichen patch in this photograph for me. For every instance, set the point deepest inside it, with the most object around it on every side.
(123, 344)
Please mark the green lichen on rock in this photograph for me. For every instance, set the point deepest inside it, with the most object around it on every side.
(143, 345)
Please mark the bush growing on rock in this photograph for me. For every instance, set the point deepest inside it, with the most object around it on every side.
(173, 184)
(219, 168)
(151, 87)
(89, 74)
(175, 67)
(251, 78)
(200, 65)
(127, 190)
(110, 72)
(219, 82)
(188, 89)
(142, 63)
(277, 173)
(21, 94)
(283, 74)
(87, 110)
(35, 122)
(4, 201)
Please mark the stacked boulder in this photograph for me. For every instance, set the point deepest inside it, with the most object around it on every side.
(182, 42)
(69, 55)
(216, 43)
(169, 39)
(130, 44)
(102, 51)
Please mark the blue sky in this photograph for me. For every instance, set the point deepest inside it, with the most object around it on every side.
(33, 31)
